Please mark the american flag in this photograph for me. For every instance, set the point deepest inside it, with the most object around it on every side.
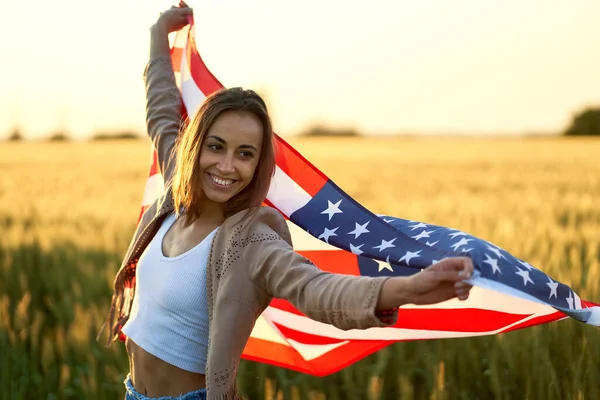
(340, 235)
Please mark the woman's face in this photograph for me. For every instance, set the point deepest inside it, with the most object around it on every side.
(230, 154)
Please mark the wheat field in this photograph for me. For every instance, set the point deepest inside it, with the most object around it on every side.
(67, 211)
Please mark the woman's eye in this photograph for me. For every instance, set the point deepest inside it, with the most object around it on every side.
(247, 154)
(215, 147)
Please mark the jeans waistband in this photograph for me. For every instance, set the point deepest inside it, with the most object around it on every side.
(132, 394)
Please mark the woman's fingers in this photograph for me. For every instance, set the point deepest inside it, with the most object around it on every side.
(462, 265)
(462, 290)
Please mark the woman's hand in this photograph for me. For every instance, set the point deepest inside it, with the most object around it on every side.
(169, 21)
(174, 19)
(440, 282)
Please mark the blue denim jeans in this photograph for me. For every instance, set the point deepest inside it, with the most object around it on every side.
(132, 394)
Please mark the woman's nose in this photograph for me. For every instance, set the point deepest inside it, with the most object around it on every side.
(225, 164)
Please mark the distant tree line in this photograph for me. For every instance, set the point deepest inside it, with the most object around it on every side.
(320, 130)
(60, 136)
(585, 123)
(116, 135)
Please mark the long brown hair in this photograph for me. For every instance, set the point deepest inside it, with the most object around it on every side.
(187, 187)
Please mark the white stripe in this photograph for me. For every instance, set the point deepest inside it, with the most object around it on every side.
(263, 330)
(492, 300)
(311, 351)
(309, 326)
(154, 188)
(190, 92)
(286, 194)
(595, 317)
(305, 241)
(181, 37)
(192, 96)
(580, 314)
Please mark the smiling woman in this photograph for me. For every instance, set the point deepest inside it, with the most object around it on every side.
(207, 259)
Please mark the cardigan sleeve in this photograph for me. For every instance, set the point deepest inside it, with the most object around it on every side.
(163, 111)
(344, 301)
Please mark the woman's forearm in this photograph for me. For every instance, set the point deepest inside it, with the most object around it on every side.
(159, 41)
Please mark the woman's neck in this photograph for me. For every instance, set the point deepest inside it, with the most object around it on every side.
(210, 213)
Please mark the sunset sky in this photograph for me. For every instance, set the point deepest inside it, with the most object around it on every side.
(384, 67)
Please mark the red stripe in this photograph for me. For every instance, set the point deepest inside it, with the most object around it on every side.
(204, 79)
(544, 319)
(439, 319)
(154, 168)
(299, 168)
(346, 355)
(588, 304)
(176, 54)
(455, 320)
(283, 356)
(304, 337)
(276, 354)
(142, 211)
(337, 262)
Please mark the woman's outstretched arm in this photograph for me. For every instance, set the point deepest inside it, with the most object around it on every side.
(347, 302)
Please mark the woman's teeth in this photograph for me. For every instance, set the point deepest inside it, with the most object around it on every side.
(222, 182)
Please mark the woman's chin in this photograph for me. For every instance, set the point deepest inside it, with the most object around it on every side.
(221, 199)
(219, 196)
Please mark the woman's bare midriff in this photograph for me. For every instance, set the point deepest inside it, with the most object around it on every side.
(153, 377)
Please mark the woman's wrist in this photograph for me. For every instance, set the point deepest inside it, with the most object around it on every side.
(158, 29)
(394, 293)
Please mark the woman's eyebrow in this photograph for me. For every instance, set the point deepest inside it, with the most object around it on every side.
(218, 139)
(223, 141)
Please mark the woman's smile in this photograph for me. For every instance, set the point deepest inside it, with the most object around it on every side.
(221, 181)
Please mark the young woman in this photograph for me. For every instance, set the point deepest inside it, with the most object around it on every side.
(207, 259)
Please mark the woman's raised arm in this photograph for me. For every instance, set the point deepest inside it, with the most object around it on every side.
(163, 99)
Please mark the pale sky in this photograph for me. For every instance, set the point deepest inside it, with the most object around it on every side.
(404, 66)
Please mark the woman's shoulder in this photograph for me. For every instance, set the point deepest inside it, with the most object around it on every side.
(262, 220)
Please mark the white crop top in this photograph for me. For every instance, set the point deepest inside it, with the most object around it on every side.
(169, 318)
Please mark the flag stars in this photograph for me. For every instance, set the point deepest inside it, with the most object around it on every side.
(496, 251)
(385, 244)
(431, 244)
(417, 226)
(409, 256)
(455, 234)
(524, 274)
(356, 249)
(492, 262)
(570, 300)
(385, 265)
(423, 234)
(327, 233)
(526, 265)
(332, 209)
(359, 229)
(460, 243)
(553, 288)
